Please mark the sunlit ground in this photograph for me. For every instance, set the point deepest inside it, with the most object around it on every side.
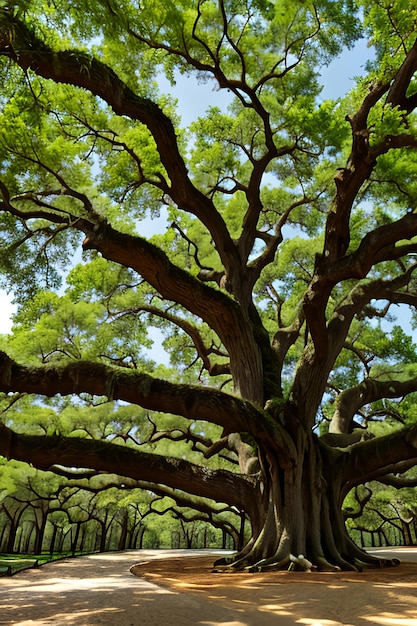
(100, 591)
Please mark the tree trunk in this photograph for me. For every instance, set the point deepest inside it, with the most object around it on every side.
(40, 533)
(103, 537)
(4, 535)
(74, 537)
(11, 539)
(406, 531)
(25, 541)
(124, 531)
(53, 538)
(301, 523)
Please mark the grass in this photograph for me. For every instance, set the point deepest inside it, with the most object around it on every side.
(12, 563)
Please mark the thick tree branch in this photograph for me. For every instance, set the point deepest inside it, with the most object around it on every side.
(124, 483)
(312, 375)
(369, 390)
(349, 180)
(377, 246)
(358, 299)
(397, 95)
(375, 458)
(76, 68)
(44, 452)
(193, 295)
(192, 402)
(222, 313)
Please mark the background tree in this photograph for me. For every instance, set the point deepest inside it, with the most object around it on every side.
(379, 515)
(43, 512)
(27, 502)
(292, 233)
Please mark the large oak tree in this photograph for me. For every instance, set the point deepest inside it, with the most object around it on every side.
(292, 232)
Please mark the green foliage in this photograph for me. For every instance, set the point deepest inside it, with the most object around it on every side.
(286, 236)
(390, 24)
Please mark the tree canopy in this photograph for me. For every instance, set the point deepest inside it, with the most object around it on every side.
(289, 247)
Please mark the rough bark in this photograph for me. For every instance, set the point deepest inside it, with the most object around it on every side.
(294, 498)
(193, 402)
(222, 313)
(44, 452)
(301, 522)
(19, 43)
(293, 509)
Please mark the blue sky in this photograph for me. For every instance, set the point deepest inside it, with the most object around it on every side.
(194, 99)
(338, 78)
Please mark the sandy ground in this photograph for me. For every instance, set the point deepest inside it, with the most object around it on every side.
(182, 591)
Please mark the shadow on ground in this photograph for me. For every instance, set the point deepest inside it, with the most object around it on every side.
(181, 591)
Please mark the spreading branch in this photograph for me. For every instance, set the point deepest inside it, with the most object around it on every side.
(46, 452)
(349, 402)
(192, 402)
(378, 457)
(76, 68)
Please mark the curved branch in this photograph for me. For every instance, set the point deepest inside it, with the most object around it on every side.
(199, 443)
(45, 210)
(191, 244)
(145, 259)
(65, 189)
(314, 368)
(375, 247)
(231, 42)
(202, 350)
(272, 241)
(399, 482)
(362, 501)
(172, 282)
(76, 68)
(44, 452)
(378, 245)
(360, 296)
(361, 356)
(369, 390)
(285, 337)
(375, 458)
(255, 206)
(191, 401)
(397, 95)
(350, 179)
(223, 314)
(181, 498)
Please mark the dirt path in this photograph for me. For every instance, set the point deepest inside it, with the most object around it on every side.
(182, 591)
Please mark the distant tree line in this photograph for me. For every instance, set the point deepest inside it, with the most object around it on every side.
(44, 513)
(376, 515)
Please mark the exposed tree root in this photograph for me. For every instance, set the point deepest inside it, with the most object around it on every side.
(270, 565)
(360, 559)
(276, 562)
(301, 529)
(325, 566)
